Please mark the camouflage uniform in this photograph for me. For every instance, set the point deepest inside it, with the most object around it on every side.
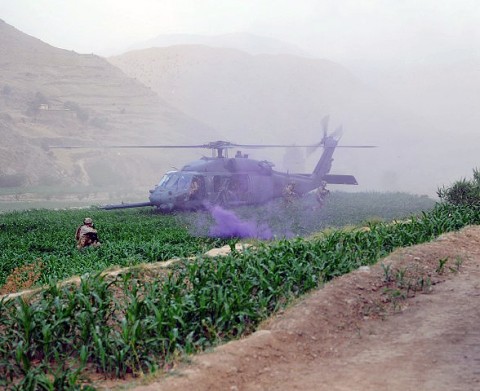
(86, 235)
(322, 193)
(194, 188)
(289, 193)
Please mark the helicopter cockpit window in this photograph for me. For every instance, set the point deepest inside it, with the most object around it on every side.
(164, 179)
(175, 181)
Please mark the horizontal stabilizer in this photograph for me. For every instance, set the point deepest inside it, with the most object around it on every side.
(340, 179)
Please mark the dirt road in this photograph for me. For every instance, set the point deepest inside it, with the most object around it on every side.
(411, 322)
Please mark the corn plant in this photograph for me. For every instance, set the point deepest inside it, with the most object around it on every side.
(128, 325)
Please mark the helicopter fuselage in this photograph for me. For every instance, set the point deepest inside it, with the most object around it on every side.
(225, 181)
(237, 181)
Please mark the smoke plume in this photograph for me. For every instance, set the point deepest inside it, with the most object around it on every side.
(229, 225)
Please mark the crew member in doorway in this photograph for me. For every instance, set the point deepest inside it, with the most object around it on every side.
(289, 193)
(322, 193)
(194, 188)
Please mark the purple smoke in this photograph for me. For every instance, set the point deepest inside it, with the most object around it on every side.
(229, 225)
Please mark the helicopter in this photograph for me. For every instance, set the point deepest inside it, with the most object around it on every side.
(239, 180)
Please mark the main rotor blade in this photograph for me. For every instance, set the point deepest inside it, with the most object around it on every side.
(123, 146)
(271, 145)
(212, 145)
(357, 146)
(297, 146)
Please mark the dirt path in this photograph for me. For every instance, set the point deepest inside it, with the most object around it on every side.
(360, 333)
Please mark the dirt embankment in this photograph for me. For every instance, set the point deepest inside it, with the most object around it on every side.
(408, 323)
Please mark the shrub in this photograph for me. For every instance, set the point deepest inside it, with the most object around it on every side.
(34, 104)
(462, 192)
(82, 113)
(14, 180)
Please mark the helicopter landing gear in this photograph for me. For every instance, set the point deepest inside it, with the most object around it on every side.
(164, 208)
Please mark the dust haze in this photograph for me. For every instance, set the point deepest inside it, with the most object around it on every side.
(404, 76)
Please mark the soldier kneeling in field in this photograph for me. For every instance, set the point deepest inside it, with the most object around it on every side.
(86, 234)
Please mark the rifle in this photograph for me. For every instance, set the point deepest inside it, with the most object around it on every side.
(92, 236)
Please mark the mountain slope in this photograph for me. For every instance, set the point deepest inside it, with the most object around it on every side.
(50, 96)
(241, 93)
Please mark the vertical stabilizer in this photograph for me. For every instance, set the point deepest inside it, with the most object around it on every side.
(325, 163)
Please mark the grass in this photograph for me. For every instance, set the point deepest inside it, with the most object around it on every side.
(128, 237)
(133, 325)
(132, 237)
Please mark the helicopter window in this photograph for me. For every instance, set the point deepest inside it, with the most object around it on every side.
(239, 183)
(183, 182)
(164, 179)
(175, 181)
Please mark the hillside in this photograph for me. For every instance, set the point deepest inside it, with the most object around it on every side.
(50, 96)
(244, 95)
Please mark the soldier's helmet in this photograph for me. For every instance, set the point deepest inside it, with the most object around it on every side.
(87, 220)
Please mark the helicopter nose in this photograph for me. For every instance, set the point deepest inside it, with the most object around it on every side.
(159, 197)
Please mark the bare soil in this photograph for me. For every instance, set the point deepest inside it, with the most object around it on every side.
(410, 322)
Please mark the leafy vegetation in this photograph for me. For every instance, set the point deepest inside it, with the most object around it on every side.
(13, 180)
(462, 192)
(131, 237)
(132, 325)
(341, 209)
(128, 238)
(129, 323)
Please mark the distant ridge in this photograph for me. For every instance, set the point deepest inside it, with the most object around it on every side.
(246, 42)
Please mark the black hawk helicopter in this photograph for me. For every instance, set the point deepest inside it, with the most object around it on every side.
(240, 180)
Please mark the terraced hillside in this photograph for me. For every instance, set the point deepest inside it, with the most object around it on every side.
(51, 96)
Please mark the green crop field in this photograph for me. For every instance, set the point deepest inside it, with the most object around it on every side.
(131, 323)
(130, 237)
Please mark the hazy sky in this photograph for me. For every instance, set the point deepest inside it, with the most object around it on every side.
(388, 30)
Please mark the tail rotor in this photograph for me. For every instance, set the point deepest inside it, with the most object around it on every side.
(337, 134)
(324, 123)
